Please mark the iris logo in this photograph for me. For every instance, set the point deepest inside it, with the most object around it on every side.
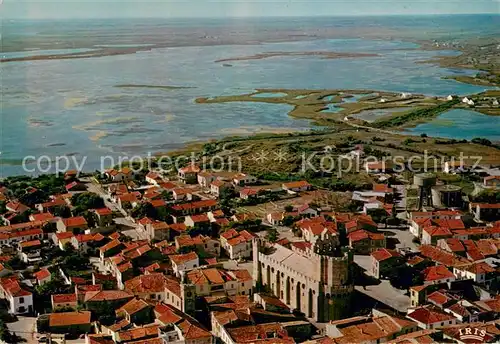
(472, 335)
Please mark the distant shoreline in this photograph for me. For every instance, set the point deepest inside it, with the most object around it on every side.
(322, 54)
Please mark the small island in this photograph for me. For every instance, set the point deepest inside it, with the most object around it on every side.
(321, 54)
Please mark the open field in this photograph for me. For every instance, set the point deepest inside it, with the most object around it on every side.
(281, 156)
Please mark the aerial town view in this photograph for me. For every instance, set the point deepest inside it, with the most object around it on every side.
(254, 172)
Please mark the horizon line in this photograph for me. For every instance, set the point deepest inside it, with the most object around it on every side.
(266, 17)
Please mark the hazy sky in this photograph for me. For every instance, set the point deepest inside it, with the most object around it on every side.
(236, 8)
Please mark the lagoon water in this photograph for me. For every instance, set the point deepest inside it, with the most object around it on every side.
(73, 107)
(461, 124)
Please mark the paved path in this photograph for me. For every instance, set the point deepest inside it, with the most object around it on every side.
(24, 327)
(388, 295)
(383, 292)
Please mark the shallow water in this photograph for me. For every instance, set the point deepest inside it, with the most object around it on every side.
(75, 104)
(373, 115)
(269, 95)
(461, 124)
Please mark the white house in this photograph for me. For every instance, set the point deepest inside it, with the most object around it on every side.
(205, 179)
(298, 186)
(478, 272)
(182, 194)
(437, 274)
(20, 300)
(43, 276)
(217, 186)
(430, 317)
(275, 218)
(153, 178)
(184, 262)
(237, 244)
(241, 179)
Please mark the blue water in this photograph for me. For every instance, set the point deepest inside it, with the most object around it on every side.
(58, 107)
(269, 95)
(332, 108)
(373, 115)
(461, 124)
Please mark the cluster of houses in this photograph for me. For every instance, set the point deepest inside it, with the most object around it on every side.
(195, 272)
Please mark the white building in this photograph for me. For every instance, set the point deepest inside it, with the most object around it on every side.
(20, 300)
(184, 262)
(237, 245)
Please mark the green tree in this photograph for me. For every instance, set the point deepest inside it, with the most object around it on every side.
(61, 211)
(272, 234)
(144, 210)
(3, 208)
(87, 200)
(288, 221)
(90, 217)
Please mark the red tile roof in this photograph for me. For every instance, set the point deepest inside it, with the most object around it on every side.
(129, 197)
(145, 333)
(31, 243)
(435, 231)
(103, 211)
(191, 329)
(190, 169)
(480, 268)
(17, 207)
(474, 254)
(69, 319)
(384, 254)
(208, 276)
(151, 283)
(110, 245)
(296, 185)
(199, 218)
(382, 188)
(415, 260)
(364, 235)
(20, 234)
(42, 274)
(218, 183)
(183, 258)
(132, 307)
(441, 256)
(64, 235)
(248, 192)
(76, 221)
(195, 205)
(234, 238)
(438, 298)
(450, 223)
(455, 245)
(63, 298)
(12, 287)
(241, 275)
(107, 295)
(178, 227)
(438, 272)
(158, 203)
(428, 315)
(41, 217)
